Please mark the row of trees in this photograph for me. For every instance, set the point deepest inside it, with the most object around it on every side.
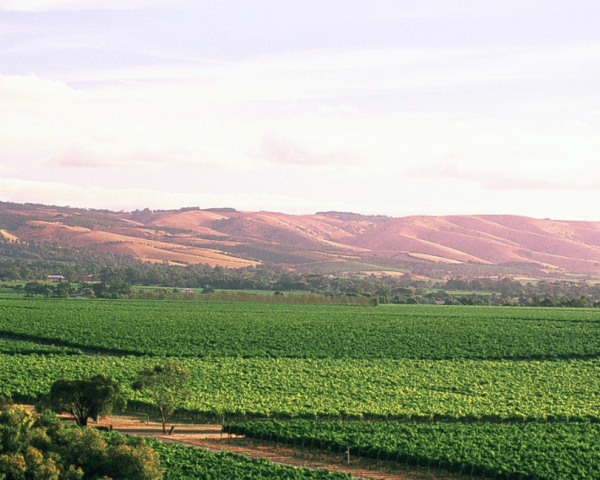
(582, 301)
(119, 289)
(568, 295)
(116, 272)
(113, 289)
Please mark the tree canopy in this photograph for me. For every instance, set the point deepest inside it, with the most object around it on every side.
(85, 398)
(167, 385)
(44, 448)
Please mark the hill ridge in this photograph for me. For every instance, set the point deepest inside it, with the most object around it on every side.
(231, 238)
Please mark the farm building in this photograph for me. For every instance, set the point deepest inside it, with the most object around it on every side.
(56, 278)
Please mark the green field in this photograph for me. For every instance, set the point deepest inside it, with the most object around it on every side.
(553, 451)
(309, 388)
(261, 330)
(477, 367)
(184, 463)
(28, 348)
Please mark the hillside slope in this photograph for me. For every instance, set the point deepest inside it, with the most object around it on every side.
(235, 239)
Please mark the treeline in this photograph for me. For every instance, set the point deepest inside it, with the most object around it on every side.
(277, 297)
(113, 289)
(118, 289)
(91, 268)
(506, 291)
(445, 298)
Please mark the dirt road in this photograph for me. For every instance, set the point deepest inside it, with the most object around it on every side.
(210, 437)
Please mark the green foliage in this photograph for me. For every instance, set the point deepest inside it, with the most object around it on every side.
(35, 288)
(44, 448)
(541, 451)
(5, 400)
(305, 331)
(12, 221)
(254, 296)
(113, 288)
(84, 398)
(31, 348)
(480, 367)
(182, 463)
(38, 259)
(167, 386)
(327, 388)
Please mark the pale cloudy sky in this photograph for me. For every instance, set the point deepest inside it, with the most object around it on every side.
(381, 106)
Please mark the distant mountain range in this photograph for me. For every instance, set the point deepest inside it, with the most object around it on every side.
(237, 239)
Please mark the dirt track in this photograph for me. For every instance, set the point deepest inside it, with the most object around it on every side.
(210, 437)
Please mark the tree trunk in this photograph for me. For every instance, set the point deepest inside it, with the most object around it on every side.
(164, 421)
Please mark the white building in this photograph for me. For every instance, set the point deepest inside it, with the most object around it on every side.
(56, 278)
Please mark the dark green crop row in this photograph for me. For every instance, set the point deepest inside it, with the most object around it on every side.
(186, 463)
(378, 389)
(304, 331)
(532, 451)
(32, 348)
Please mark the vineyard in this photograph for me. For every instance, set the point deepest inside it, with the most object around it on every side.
(528, 451)
(465, 390)
(462, 388)
(186, 329)
(182, 463)
(28, 348)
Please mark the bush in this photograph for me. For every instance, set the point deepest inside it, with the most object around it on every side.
(44, 448)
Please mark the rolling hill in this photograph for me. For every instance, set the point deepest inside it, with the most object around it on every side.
(236, 239)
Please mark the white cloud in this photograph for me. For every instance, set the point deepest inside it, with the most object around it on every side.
(117, 126)
(316, 139)
(314, 112)
(194, 124)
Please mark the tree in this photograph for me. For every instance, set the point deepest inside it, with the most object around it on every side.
(35, 288)
(18, 458)
(85, 398)
(45, 448)
(167, 385)
(62, 290)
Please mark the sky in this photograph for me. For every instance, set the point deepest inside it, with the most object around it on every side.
(412, 107)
